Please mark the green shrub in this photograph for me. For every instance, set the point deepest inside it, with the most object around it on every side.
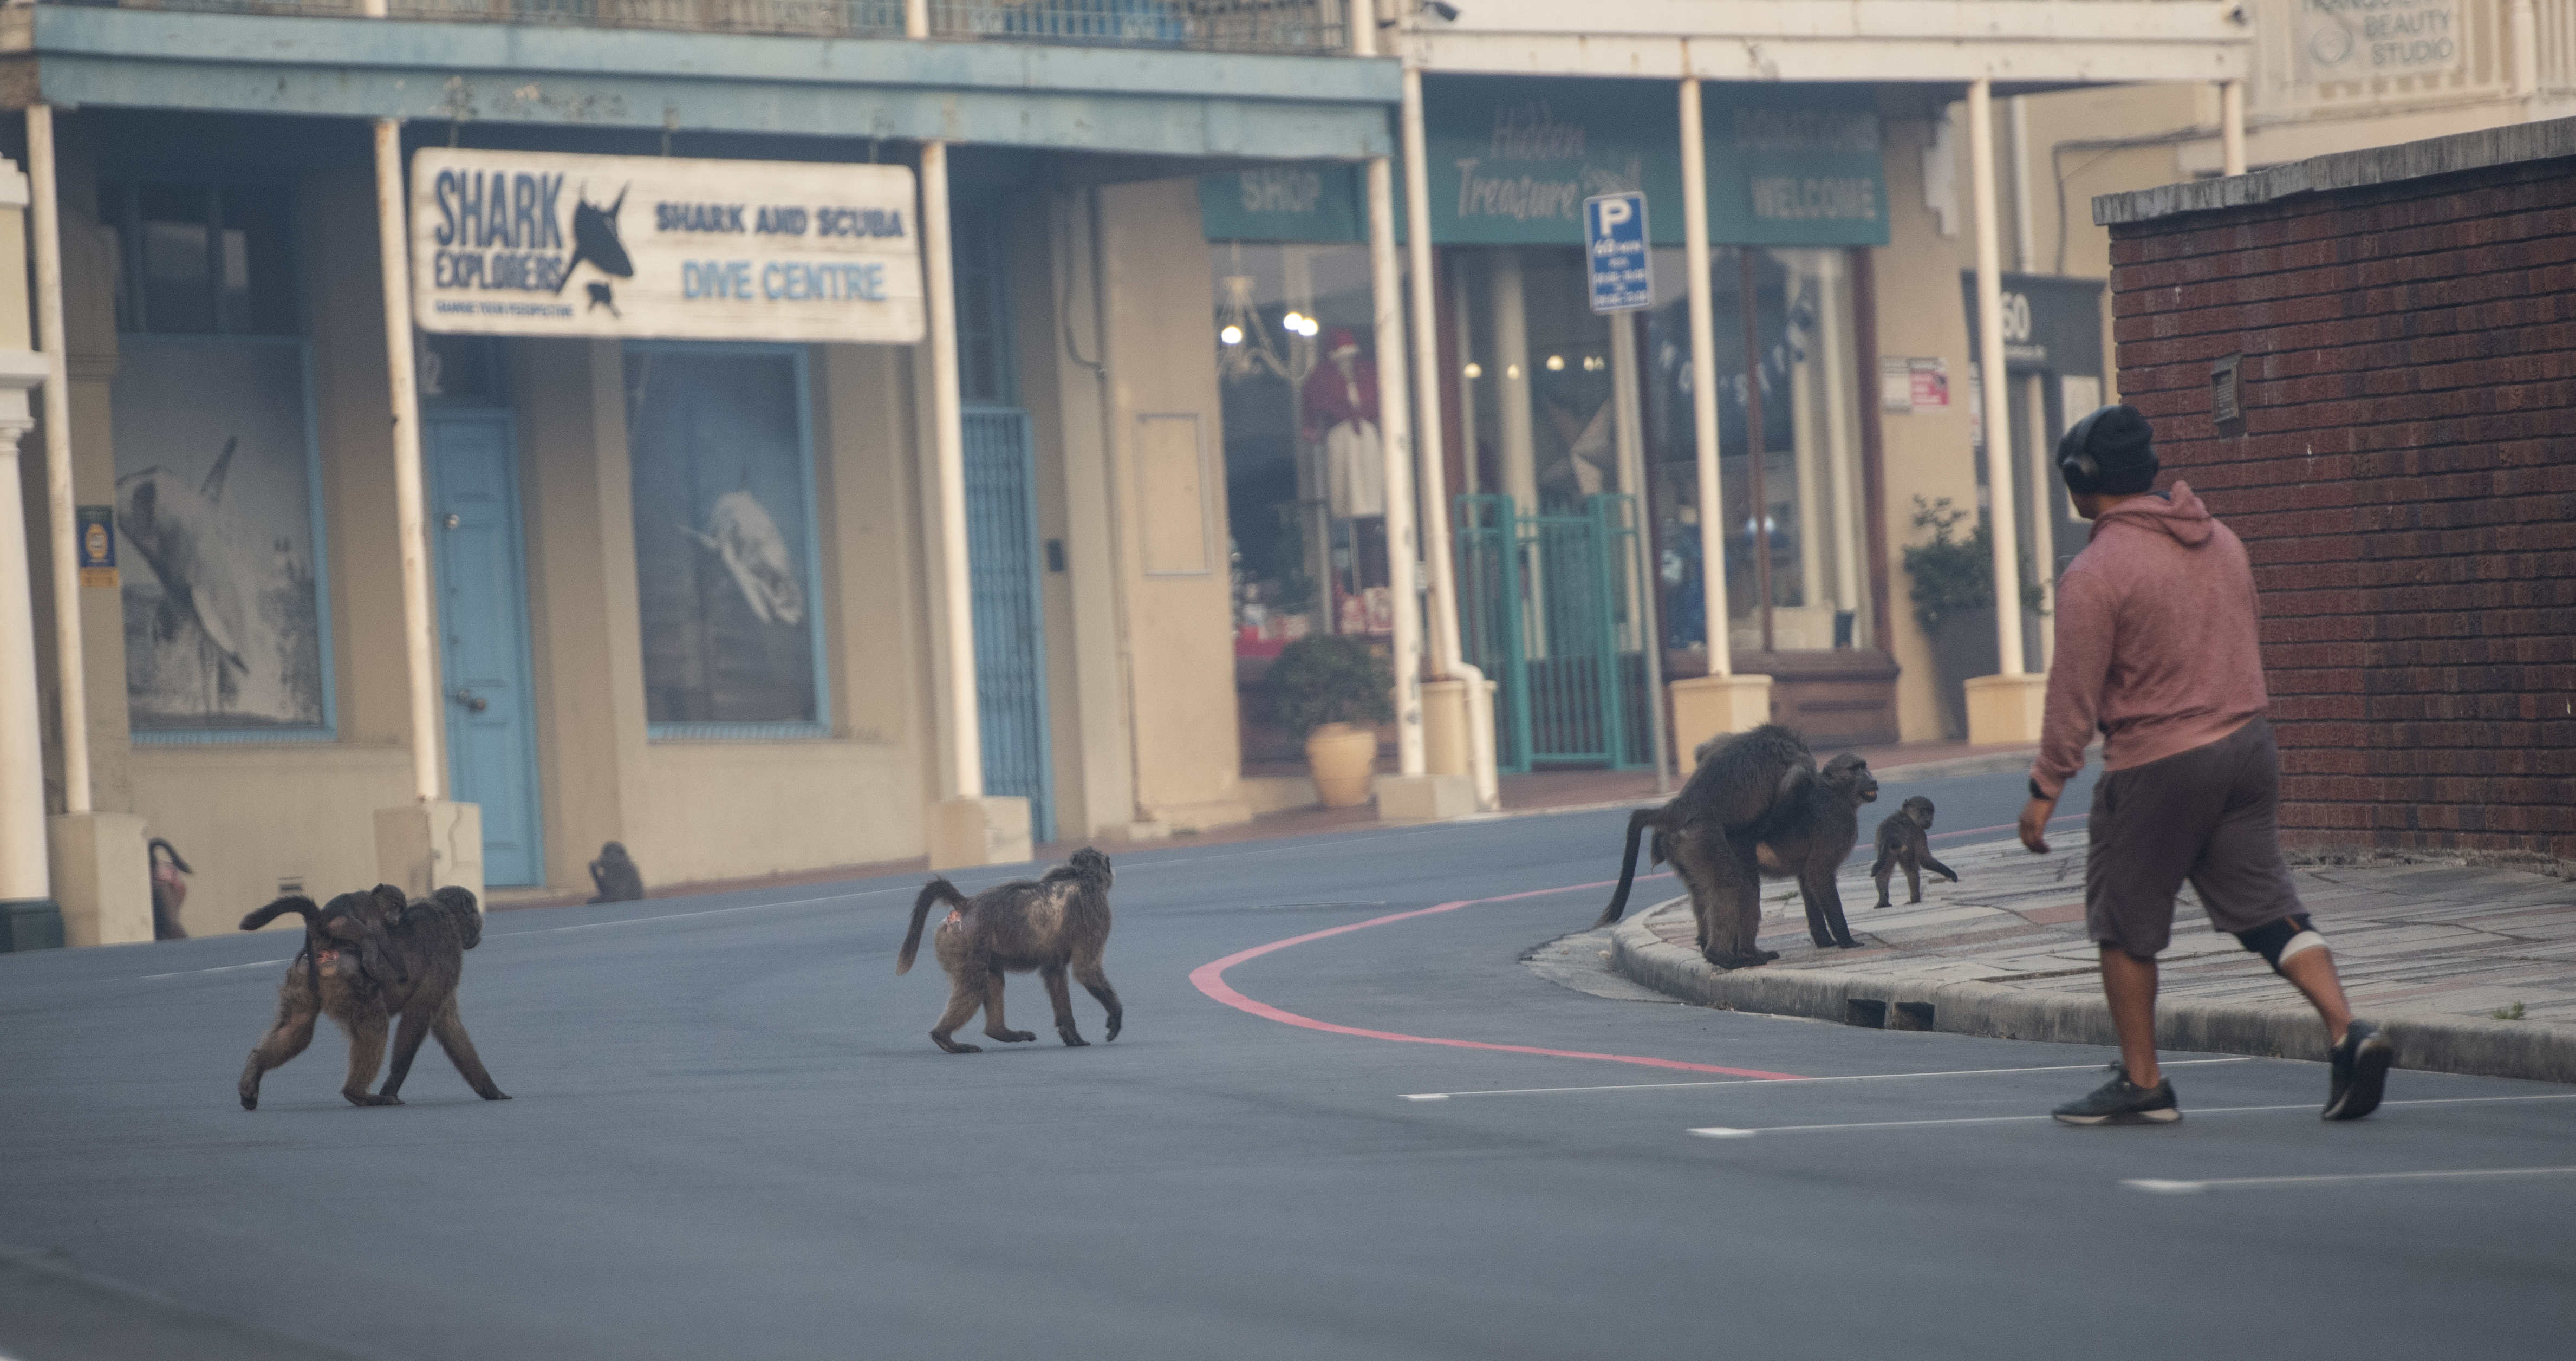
(1330, 678)
(1953, 576)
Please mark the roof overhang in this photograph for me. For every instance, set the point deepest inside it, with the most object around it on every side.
(1093, 99)
(2021, 45)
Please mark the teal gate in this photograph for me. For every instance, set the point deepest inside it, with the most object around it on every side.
(1548, 608)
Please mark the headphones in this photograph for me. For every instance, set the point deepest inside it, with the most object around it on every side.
(2075, 461)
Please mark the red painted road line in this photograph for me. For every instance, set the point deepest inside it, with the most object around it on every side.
(1210, 979)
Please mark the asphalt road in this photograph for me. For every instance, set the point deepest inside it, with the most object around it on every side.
(731, 1138)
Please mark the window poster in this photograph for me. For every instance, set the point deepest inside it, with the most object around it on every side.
(214, 500)
(716, 440)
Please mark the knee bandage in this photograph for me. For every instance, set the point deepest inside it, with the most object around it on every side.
(2282, 940)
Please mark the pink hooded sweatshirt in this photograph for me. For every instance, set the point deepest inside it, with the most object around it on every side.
(2157, 640)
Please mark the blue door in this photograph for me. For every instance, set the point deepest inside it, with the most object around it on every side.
(1010, 623)
(473, 472)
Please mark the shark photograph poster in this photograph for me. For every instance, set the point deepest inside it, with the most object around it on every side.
(214, 503)
(716, 443)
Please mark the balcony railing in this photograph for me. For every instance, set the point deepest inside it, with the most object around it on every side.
(1287, 26)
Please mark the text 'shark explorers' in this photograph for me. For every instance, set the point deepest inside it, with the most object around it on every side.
(652, 247)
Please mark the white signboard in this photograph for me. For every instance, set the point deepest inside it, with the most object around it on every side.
(549, 244)
(2367, 39)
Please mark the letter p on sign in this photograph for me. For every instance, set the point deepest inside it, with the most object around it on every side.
(1614, 226)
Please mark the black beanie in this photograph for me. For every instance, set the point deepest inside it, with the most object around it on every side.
(2123, 445)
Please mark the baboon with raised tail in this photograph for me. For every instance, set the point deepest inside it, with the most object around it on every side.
(367, 958)
(1054, 926)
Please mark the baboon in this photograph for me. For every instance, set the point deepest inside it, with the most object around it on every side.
(1060, 922)
(615, 875)
(169, 891)
(1710, 830)
(367, 958)
(1901, 842)
(1807, 835)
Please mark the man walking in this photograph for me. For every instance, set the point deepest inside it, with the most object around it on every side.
(2157, 647)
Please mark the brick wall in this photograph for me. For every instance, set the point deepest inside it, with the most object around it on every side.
(2406, 486)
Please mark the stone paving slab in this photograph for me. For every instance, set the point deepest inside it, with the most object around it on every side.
(2440, 946)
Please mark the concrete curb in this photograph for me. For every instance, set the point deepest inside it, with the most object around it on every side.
(1993, 1010)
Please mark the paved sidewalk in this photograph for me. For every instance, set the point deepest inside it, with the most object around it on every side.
(2439, 947)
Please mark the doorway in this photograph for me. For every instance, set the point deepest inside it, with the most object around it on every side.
(473, 470)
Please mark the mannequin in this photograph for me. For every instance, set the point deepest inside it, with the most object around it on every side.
(1339, 408)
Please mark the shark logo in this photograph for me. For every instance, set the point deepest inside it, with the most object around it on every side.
(594, 238)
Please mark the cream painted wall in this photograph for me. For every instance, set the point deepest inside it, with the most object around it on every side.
(698, 810)
(252, 818)
(1058, 329)
(1920, 315)
(1188, 746)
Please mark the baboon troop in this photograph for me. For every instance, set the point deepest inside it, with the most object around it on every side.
(1058, 924)
(1756, 807)
(1902, 842)
(367, 958)
(615, 876)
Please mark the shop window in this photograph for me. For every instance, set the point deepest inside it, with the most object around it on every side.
(720, 452)
(1304, 459)
(986, 375)
(218, 507)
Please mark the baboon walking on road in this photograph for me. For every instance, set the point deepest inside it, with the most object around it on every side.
(1058, 924)
(367, 958)
(1902, 843)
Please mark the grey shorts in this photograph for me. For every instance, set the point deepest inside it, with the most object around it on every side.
(2210, 815)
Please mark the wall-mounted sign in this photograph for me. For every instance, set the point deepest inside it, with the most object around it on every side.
(1616, 260)
(1324, 202)
(97, 544)
(2049, 323)
(2362, 39)
(544, 243)
(1907, 385)
(1794, 165)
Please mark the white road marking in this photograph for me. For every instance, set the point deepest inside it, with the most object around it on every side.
(1724, 1132)
(220, 968)
(1793, 1081)
(2160, 1187)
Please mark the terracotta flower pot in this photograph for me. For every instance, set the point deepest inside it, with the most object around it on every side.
(1342, 758)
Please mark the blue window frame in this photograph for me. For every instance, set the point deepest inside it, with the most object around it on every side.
(727, 560)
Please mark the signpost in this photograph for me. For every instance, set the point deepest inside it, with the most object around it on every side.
(1615, 253)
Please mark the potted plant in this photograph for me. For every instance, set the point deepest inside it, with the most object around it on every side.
(1954, 601)
(1333, 690)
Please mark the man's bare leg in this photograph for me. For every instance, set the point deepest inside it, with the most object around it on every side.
(2313, 973)
(2129, 984)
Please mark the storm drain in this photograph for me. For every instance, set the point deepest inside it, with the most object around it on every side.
(1871, 1014)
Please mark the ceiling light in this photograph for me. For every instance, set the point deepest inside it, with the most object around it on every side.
(1555, 363)
(1231, 335)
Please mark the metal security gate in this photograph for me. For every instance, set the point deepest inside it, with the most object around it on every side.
(1548, 609)
(1010, 622)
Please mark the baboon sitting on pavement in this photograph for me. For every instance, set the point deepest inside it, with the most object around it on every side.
(1059, 923)
(367, 958)
(1902, 843)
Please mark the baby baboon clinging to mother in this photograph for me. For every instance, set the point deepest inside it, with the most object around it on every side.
(1059, 923)
(1901, 842)
(1749, 789)
(367, 958)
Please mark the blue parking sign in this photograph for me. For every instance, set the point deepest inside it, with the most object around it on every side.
(1622, 272)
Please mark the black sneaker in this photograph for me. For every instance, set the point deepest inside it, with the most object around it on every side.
(2360, 1065)
(2122, 1102)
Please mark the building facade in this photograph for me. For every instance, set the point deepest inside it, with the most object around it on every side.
(779, 438)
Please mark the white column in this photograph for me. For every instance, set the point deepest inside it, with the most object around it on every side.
(1833, 338)
(948, 456)
(1395, 428)
(25, 866)
(1703, 343)
(1512, 395)
(1447, 656)
(916, 18)
(2043, 509)
(70, 669)
(2231, 127)
(2524, 22)
(2025, 242)
(411, 519)
(1990, 360)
